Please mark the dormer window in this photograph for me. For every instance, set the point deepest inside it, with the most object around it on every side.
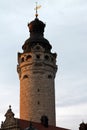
(38, 48)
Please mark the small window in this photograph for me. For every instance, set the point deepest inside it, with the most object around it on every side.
(22, 59)
(28, 57)
(38, 103)
(25, 77)
(49, 76)
(38, 56)
(38, 90)
(46, 57)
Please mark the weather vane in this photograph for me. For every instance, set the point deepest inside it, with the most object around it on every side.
(36, 8)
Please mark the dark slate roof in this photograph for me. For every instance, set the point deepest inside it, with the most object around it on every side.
(32, 41)
(36, 29)
(36, 26)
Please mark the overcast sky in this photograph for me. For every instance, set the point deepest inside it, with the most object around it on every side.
(66, 30)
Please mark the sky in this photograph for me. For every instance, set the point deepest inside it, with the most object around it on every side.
(66, 30)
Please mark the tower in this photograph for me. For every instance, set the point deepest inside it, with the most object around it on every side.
(37, 68)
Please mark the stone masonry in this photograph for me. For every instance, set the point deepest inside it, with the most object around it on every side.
(37, 69)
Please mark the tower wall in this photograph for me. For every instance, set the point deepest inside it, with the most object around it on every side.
(37, 95)
(37, 69)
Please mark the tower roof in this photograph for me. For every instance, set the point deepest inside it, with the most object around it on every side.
(36, 26)
(36, 29)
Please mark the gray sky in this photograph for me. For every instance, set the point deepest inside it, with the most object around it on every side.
(66, 29)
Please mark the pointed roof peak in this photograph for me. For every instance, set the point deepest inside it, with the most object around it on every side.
(9, 112)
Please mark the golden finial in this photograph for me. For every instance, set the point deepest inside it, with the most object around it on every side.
(36, 8)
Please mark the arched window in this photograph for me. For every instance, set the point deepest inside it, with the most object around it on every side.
(25, 77)
(22, 59)
(38, 90)
(28, 57)
(37, 47)
(44, 120)
(49, 76)
(46, 57)
(38, 103)
(38, 56)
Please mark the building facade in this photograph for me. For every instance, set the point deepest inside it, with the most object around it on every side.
(12, 123)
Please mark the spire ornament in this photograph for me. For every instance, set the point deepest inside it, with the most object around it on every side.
(36, 8)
